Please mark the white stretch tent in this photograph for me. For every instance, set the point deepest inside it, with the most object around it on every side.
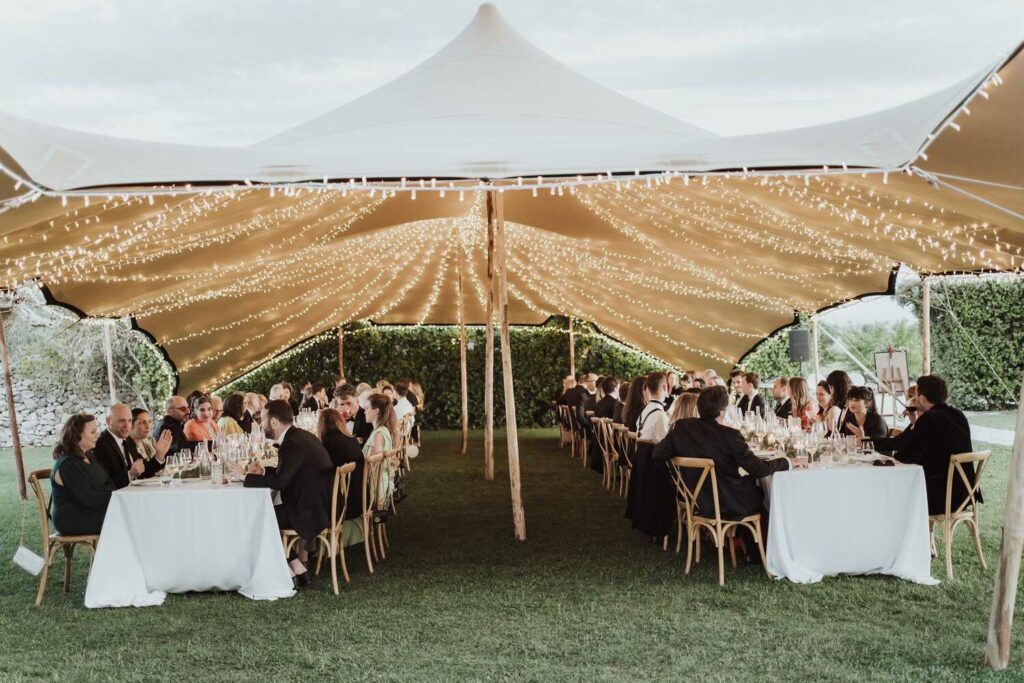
(699, 261)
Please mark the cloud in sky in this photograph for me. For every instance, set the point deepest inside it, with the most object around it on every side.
(232, 72)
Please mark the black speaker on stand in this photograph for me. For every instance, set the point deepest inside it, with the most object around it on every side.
(800, 347)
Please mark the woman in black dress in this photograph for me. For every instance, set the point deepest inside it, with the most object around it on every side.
(81, 488)
(865, 422)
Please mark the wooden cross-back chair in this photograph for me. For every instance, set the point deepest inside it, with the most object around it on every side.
(625, 443)
(579, 436)
(606, 444)
(951, 518)
(405, 439)
(372, 466)
(53, 541)
(720, 530)
(564, 430)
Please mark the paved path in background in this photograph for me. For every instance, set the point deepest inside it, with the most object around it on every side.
(1000, 437)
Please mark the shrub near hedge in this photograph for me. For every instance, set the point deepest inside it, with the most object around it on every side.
(430, 354)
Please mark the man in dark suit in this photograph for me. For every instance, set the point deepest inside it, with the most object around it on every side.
(606, 406)
(940, 432)
(783, 402)
(173, 421)
(750, 399)
(117, 453)
(303, 476)
(706, 437)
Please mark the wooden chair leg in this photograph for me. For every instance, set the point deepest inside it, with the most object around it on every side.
(343, 562)
(679, 529)
(48, 557)
(69, 555)
(931, 538)
(760, 547)
(367, 541)
(334, 563)
(697, 533)
(690, 536)
(731, 539)
(719, 545)
(977, 542)
(947, 534)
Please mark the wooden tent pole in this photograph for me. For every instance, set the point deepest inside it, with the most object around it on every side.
(1000, 623)
(926, 328)
(19, 460)
(108, 350)
(501, 249)
(341, 352)
(489, 349)
(462, 358)
(572, 349)
(814, 349)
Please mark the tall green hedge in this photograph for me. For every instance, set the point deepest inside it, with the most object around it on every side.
(540, 358)
(973, 322)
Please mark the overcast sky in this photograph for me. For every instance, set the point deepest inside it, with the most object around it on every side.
(231, 72)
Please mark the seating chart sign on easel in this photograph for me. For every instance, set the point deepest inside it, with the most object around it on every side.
(891, 370)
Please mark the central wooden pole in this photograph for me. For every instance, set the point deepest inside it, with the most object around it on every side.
(926, 328)
(108, 349)
(572, 349)
(462, 358)
(997, 649)
(489, 349)
(19, 460)
(501, 249)
(341, 352)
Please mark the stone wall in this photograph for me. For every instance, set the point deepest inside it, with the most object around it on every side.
(43, 408)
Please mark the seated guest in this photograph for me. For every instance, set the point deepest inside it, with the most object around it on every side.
(250, 408)
(380, 413)
(218, 407)
(192, 396)
(361, 428)
(800, 402)
(866, 423)
(117, 454)
(672, 381)
(910, 408)
(347, 405)
(142, 423)
(706, 437)
(316, 399)
(403, 406)
(342, 448)
(173, 422)
(685, 406)
(940, 431)
(234, 410)
(607, 405)
(80, 486)
(636, 399)
(828, 412)
(685, 382)
(620, 407)
(783, 402)
(279, 392)
(294, 398)
(303, 476)
(589, 392)
(416, 394)
(840, 383)
(736, 383)
(201, 427)
(699, 383)
(653, 422)
(750, 399)
(569, 382)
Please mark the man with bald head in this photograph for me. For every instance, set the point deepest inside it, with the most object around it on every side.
(173, 421)
(117, 453)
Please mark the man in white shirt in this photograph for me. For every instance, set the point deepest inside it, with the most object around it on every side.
(653, 422)
(403, 406)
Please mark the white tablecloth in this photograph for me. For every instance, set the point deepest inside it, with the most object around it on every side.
(850, 519)
(193, 537)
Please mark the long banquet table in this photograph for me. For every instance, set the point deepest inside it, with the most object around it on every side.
(849, 519)
(189, 537)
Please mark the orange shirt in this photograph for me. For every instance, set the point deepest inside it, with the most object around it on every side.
(198, 431)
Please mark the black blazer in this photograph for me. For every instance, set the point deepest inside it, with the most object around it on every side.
(246, 422)
(177, 429)
(361, 429)
(938, 434)
(784, 408)
(109, 456)
(606, 406)
(343, 449)
(738, 496)
(756, 404)
(304, 476)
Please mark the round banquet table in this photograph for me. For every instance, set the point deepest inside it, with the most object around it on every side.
(849, 519)
(189, 537)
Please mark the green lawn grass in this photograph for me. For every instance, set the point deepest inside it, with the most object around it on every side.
(1001, 419)
(584, 598)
